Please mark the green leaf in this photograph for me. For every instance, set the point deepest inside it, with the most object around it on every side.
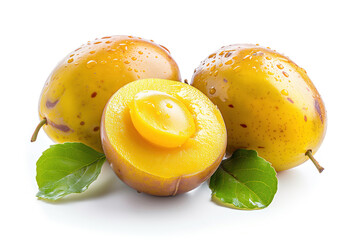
(244, 181)
(67, 168)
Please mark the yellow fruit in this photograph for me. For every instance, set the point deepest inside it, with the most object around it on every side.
(76, 92)
(269, 104)
(162, 137)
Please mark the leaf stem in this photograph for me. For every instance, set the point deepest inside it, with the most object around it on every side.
(37, 129)
(316, 163)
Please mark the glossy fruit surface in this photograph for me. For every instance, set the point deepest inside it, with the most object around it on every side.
(269, 104)
(162, 137)
(76, 92)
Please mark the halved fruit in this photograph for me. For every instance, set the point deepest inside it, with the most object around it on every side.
(162, 137)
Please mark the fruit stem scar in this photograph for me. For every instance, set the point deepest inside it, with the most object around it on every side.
(37, 129)
(317, 165)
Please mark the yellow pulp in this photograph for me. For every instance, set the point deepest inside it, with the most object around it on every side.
(197, 126)
(161, 119)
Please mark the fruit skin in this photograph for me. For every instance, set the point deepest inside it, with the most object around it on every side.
(77, 90)
(122, 143)
(269, 103)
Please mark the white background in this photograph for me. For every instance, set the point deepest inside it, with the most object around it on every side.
(320, 36)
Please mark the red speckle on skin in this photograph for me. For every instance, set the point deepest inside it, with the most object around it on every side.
(290, 100)
(96, 129)
(230, 105)
(225, 80)
(228, 54)
(305, 118)
(243, 125)
(318, 110)
(50, 104)
(260, 147)
(93, 94)
(82, 123)
(61, 127)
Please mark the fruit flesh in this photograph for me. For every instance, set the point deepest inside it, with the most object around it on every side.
(163, 170)
(269, 104)
(76, 92)
(161, 118)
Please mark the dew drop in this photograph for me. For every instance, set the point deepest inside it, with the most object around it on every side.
(169, 105)
(268, 58)
(70, 60)
(140, 52)
(285, 74)
(133, 58)
(92, 52)
(108, 42)
(229, 62)
(285, 92)
(126, 62)
(280, 66)
(91, 64)
(212, 90)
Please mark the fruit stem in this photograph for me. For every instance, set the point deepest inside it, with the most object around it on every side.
(317, 165)
(37, 129)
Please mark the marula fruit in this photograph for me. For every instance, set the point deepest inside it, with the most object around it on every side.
(269, 103)
(162, 137)
(75, 94)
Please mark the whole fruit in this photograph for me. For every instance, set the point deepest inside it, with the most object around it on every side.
(75, 94)
(269, 103)
(162, 137)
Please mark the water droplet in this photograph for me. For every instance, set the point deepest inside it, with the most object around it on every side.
(212, 55)
(71, 55)
(167, 115)
(158, 112)
(108, 42)
(169, 105)
(268, 58)
(229, 62)
(97, 42)
(140, 52)
(212, 68)
(222, 53)
(270, 73)
(106, 37)
(285, 74)
(135, 70)
(212, 90)
(220, 65)
(126, 62)
(133, 58)
(70, 60)
(236, 68)
(92, 52)
(216, 73)
(91, 64)
(284, 92)
(280, 66)
(129, 69)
